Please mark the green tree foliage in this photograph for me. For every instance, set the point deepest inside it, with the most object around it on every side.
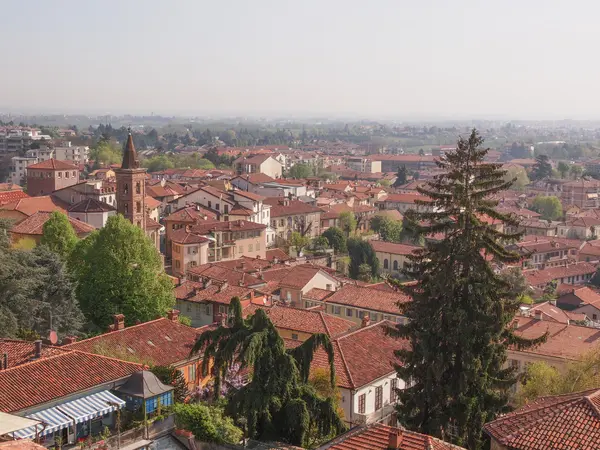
(518, 285)
(106, 152)
(278, 404)
(347, 222)
(361, 252)
(519, 175)
(388, 229)
(548, 206)
(207, 423)
(301, 171)
(172, 376)
(320, 243)
(364, 273)
(298, 241)
(576, 171)
(119, 271)
(36, 292)
(336, 238)
(458, 320)
(563, 168)
(401, 176)
(409, 234)
(542, 168)
(58, 235)
(541, 379)
(159, 163)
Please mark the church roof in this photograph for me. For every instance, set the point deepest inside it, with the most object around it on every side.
(130, 159)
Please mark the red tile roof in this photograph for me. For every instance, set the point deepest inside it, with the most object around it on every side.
(404, 198)
(317, 294)
(368, 298)
(160, 342)
(183, 237)
(392, 247)
(51, 378)
(377, 437)
(249, 195)
(90, 205)
(54, 164)
(276, 253)
(540, 277)
(34, 225)
(553, 313)
(232, 225)
(11, 196)
(257, 178)
(283, 207)
(31, 205)
(195, 292)
(19, 352)
(187, 214)
(152, 224)
(304, 320)
(587, 295)
(570, 421)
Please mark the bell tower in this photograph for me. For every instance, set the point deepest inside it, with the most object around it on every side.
(131, 186)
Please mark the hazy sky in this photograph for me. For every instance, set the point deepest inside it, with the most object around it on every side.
(375, 58)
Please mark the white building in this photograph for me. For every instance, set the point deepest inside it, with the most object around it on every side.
(18, 168)
(77, 154)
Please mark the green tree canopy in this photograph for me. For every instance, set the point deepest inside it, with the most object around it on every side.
(278, 404)
(519, 175)
(347, 222)
(388, 229)
(542, 168)
(58, 235)
(208, 423)
(119, 271)
(459, 316)
(298, 241)
(336, 238)
(301, 170)
(361, 252)
(548, 206)
(563, 168)
(172, 376)
(106, 152)
(401, 176)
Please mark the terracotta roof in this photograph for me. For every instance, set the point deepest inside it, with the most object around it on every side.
(377, 437)
(570, 421)
(273, 253)
(239, 210)
(151, 203)
(130, 159)
(393, 214)
(195, 292)
(34, 225)
(539, 277)
(253, 159)
(51, 378)
(31, 205)
(160, 342)
(587, 295)
(152, 224)
(20, 352)
(591, 248)
(298, 276)
(249, 195)
(368, 298)
(11, 196)
(304, 320)
(187, 214)
(404, 198)
(54, 164)
(293, 207)
(553, 313)
(317, 294)
(257, 178)
(392, 247)
(230, 274)
(564, 341)
(183, 237)
(90, 205)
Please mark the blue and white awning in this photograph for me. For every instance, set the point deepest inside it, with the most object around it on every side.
(52, 417)
(92, 406)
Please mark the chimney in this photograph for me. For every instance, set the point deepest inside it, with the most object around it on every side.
(119, 322)
(366, 320)
(69, 340)
(173, 315)
(38, 348)
(539, 315)
(395, 439)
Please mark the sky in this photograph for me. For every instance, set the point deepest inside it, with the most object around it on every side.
(526, 59)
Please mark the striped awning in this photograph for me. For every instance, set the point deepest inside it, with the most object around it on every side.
(91, 406)
(52, 417)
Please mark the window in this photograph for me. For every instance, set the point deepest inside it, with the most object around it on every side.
(395, 265)
(250, 247)
(222, 309)
(125, 189)
(226, 209)
(294, 336)
(207, 310)
(594, 316)
(126, 209)
(328, 287)
(337, 310)
(66, 174)
(361, 403)
(349, 312)
(189, 308)
(385, 263)
(138, 207)
(217, 207)
(138, 188)
(177, 264)
(139, 224)
(378, 398)
(360, 314)
(192, 373)
(241, 249)
(59, 174)
(209, 204)
(393, 387)
(273, 223)
(74, 174)
(288, 296)
(373, 316)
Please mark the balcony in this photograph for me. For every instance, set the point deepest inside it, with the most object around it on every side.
(377, 416)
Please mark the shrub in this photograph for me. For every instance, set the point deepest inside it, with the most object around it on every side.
(208, 423)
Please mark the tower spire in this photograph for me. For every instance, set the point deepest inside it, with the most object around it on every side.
(130, 159)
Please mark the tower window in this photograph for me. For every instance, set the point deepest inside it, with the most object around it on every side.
(126, 209)
(139, 224)
(126, 189)
(138, 188)
(138, 206)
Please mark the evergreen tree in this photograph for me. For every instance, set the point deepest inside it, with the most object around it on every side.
(401, 176)
(360, 253)
(336, 239)
(278, 404)
(119, 271)
(172, 376)
(58, 235)
(459, 318)
(542, 168)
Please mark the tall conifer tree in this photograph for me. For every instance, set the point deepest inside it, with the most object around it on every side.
(459, 317)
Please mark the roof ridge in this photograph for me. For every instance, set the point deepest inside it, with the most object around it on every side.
(324, 323)
(113, 332)
(44, 358)
(107, 357)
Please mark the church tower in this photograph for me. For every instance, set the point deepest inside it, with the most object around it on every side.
(131, 186)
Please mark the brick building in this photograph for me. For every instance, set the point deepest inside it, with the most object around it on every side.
(48, 176)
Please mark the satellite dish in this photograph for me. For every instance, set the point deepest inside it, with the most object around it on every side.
(53, 337)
